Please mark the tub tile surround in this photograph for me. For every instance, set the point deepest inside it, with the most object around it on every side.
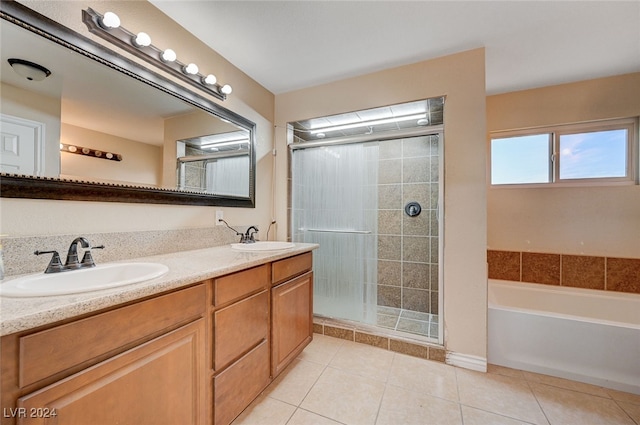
(580, 271)
(336, 381)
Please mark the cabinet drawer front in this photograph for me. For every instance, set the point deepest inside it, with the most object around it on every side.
(159, 382)
(290, 267)
(54, 350)
(240, 384)
(240, 327)
(235, 286)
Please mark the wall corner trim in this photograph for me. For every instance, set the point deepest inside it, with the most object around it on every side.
(467, 361)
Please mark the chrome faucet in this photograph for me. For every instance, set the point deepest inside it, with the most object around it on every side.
(72, 263)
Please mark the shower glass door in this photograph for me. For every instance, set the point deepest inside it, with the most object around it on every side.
(334, 204)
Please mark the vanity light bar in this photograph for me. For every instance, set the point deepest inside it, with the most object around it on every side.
(95, 153)
(140, 46)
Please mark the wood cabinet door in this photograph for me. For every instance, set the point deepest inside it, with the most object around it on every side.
(159, 382)
(292, 320)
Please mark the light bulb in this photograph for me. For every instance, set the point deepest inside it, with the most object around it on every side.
(168, 56)
(210, 79)
(226, 89)
(110, 21)
(142, 40)
(192, 69)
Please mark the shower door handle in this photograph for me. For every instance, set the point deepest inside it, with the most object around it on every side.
(365, 232)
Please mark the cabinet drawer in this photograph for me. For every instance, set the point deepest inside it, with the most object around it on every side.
(236, 387)
(235, 286)
(54, 350)
(290, 267)
(239, 327)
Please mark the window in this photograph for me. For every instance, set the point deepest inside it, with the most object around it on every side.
(580, 153)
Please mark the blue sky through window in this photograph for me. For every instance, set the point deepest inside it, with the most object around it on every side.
(523, 159)
(587, 155)
(598, 154)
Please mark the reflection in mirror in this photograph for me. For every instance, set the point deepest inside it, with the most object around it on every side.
(215, 163)
(85, 104)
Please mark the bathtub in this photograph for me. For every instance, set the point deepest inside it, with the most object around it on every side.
(583, 335)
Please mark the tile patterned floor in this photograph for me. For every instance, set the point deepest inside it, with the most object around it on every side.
(409, 321)
(337, 382)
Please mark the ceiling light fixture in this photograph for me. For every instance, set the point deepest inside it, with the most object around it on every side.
(108, 27)
(29, 70)
(229, 143)
(368, 123)
(221, 139)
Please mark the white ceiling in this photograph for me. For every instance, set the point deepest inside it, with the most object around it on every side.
(289, 45)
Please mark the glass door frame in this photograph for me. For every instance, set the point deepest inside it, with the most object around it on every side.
(415, 132)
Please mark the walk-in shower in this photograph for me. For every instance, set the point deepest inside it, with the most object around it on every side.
(369, 191)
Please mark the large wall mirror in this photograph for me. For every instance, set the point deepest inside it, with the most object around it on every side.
(102, 127)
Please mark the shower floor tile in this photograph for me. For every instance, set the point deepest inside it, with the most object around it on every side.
(413, 322)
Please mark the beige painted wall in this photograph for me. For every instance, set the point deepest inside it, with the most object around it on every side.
(141, 163)
(48, 217)
(460, 78)
(602, 221)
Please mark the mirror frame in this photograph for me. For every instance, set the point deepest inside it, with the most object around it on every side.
(22, 186)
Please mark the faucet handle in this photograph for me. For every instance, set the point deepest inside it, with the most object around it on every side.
(87, 258)
(55, 265)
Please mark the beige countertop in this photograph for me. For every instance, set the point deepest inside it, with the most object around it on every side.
(185, 268)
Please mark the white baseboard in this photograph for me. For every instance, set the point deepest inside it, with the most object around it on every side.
(467, 361)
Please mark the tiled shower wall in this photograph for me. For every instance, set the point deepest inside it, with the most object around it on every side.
(580, 271)
(408, 246)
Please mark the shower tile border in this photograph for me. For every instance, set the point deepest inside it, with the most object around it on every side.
(363, 335)
(596, 273)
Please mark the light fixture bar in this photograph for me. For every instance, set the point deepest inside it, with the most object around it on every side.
(368, 123)
(229, 143)
(94, 153)
(125, 39)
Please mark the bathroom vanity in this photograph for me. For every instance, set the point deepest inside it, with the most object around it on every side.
(181, 349)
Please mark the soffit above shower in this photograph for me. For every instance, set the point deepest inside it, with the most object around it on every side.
(376, 120)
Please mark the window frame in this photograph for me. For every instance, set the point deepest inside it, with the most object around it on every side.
(554, 133)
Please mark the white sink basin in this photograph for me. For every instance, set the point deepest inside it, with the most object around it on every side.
(262, 246)
(104, 276)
